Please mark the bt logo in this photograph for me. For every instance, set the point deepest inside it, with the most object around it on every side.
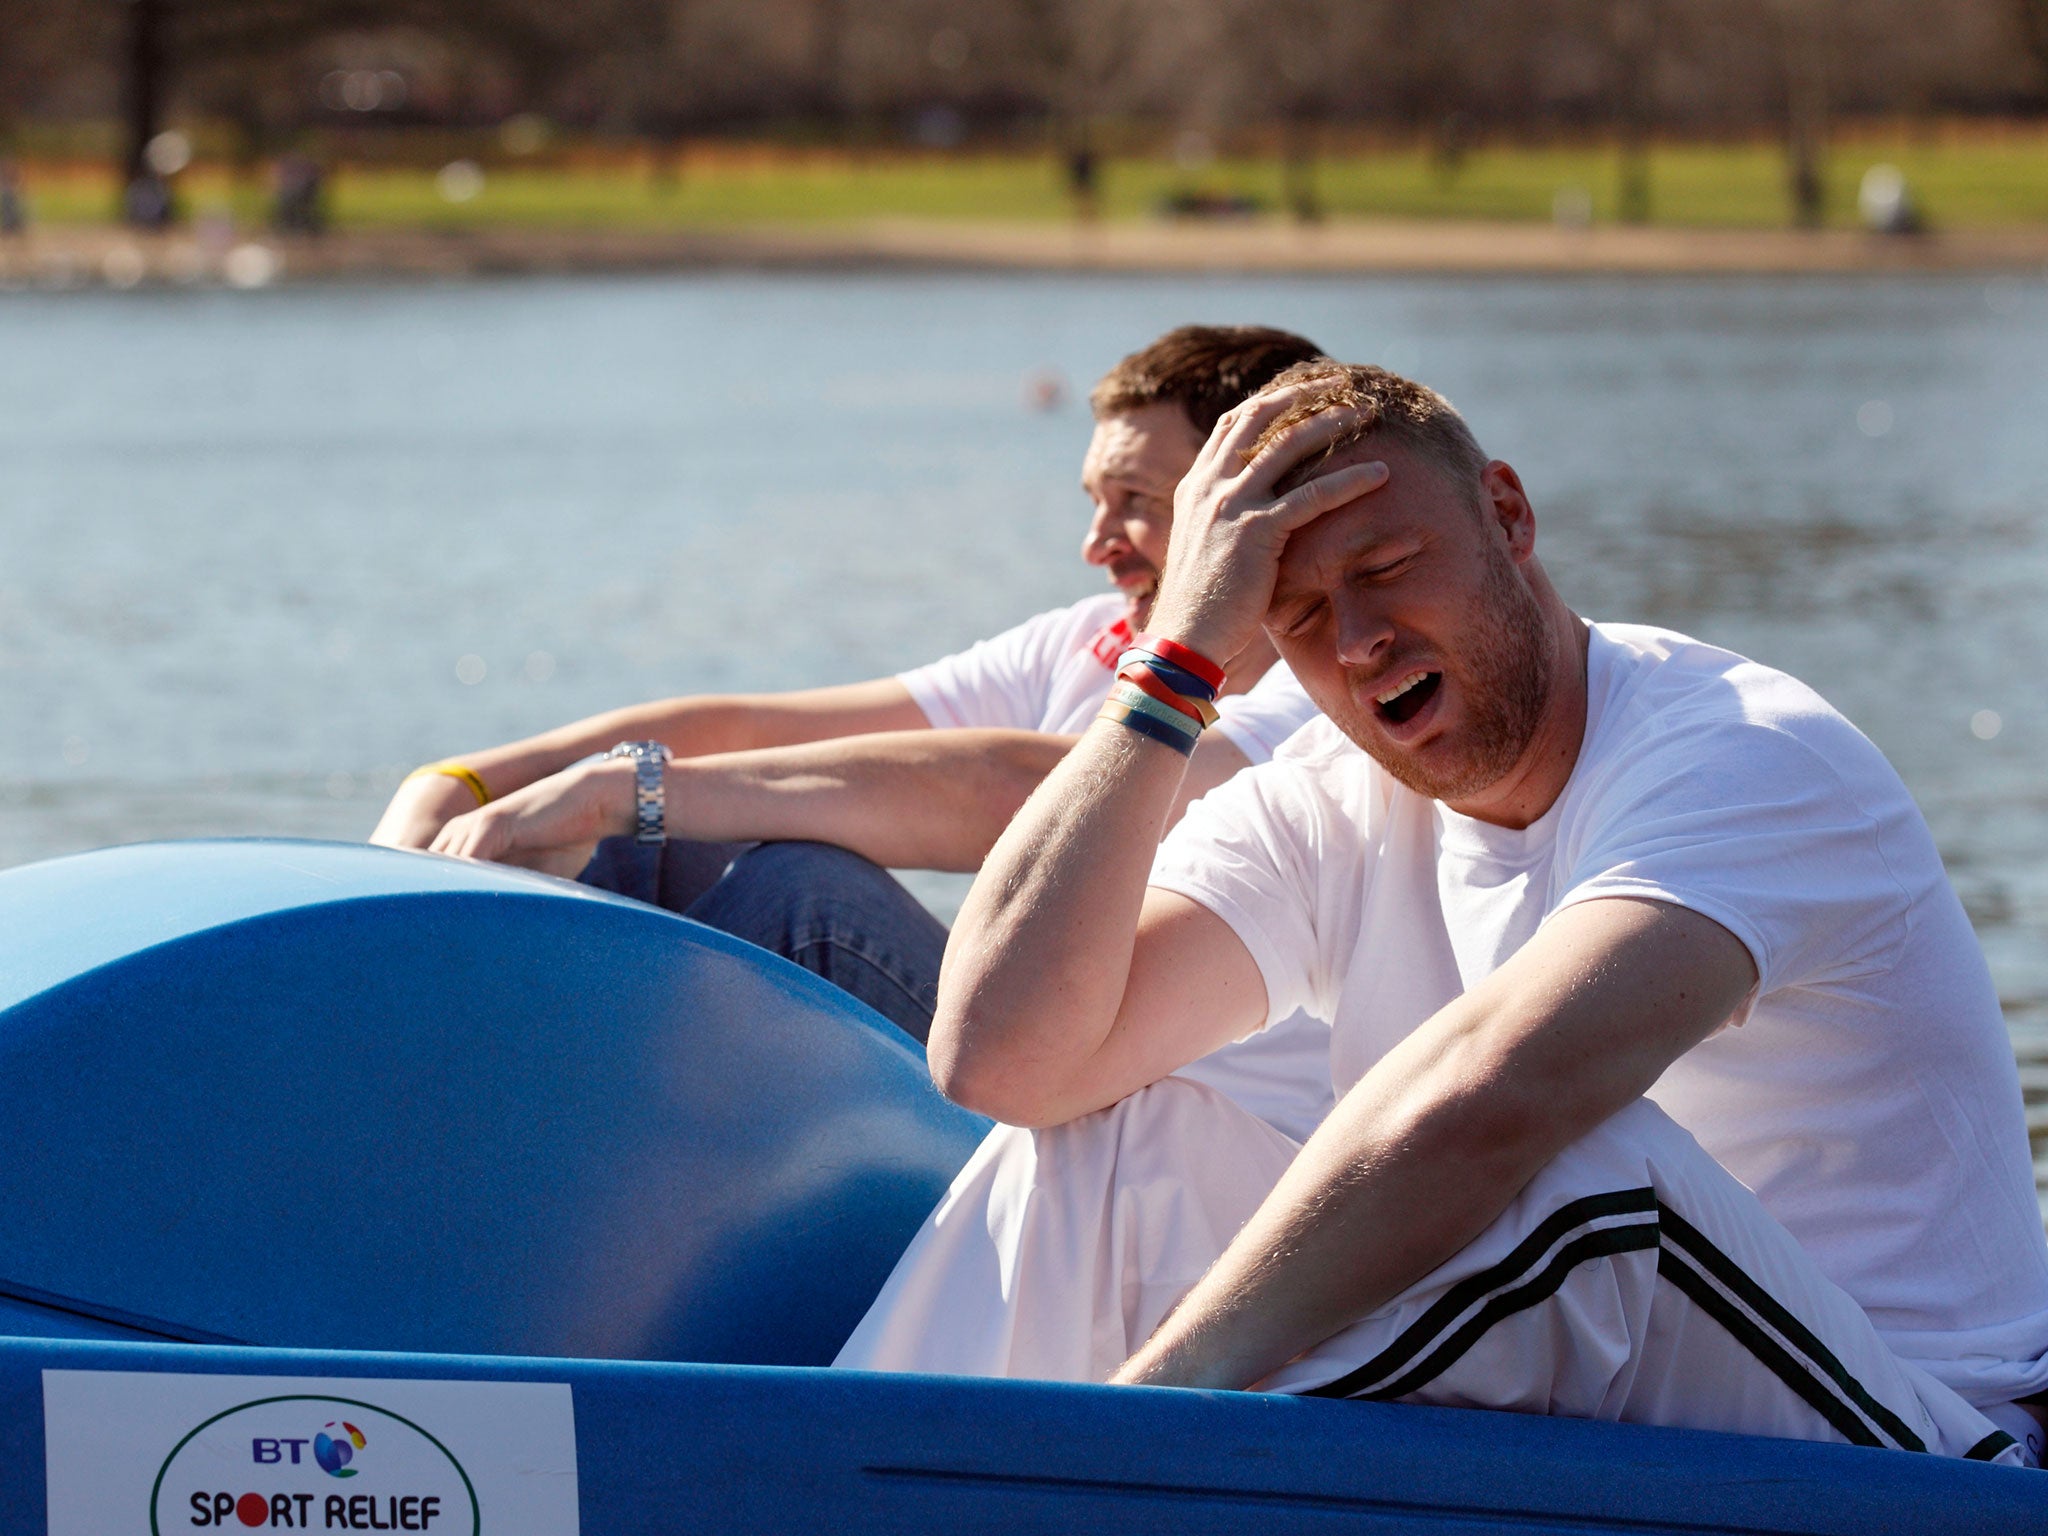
(334, 1451)
(334, 1447)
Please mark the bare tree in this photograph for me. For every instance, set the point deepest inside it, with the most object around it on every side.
(661, 68)
(2032, 16)
(1802, 38)
(1300, 77)
(1075, 52)
(143, 82)
(1632, 35)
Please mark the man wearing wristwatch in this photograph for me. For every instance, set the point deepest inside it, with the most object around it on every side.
(783, 812)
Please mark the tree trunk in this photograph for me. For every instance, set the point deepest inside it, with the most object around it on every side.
(252, 144)
(1805, 143)
(1298, 171)
(1083, 170)
(828, 59)
(1632, 29)
(2033, 20)
(142, 86)
(1634, 200)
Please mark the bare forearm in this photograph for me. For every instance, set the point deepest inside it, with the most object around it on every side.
(1449, 1126)
(1037, 963)
(697, 726)
(690, 727)
(1394, 1183)
(908, 800)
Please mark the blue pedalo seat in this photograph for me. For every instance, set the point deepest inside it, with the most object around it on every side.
(319, 1095)
(323, 1100)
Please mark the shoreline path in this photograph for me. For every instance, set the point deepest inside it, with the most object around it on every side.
(61, 256)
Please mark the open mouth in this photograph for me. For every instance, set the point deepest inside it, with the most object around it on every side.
(1404, 701)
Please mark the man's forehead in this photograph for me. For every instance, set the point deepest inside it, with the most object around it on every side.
(1143, 444)
(1339, 535)
(1381, 517)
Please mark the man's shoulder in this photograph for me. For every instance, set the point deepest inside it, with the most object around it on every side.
(1074, 627)
(1667, 704)
(1052, 634)
(1649, 683)
(1091, 612)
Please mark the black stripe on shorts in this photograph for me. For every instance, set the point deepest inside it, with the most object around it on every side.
(1438, 1318)
(1710, 1279)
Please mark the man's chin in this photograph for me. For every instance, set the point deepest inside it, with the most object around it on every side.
(1438, 774)
(1407, 766)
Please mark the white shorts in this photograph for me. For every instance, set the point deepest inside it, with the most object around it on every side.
(1633, 1279)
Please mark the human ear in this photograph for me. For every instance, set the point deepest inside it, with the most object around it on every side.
(1506, 508)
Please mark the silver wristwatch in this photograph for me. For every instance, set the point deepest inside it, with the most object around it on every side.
(649, 793)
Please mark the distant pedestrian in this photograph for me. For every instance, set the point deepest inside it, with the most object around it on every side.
(13, 206)
(1083, 178)
(147, 202)
(300, 207)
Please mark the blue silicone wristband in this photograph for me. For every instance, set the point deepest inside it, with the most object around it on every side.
(1166, 735)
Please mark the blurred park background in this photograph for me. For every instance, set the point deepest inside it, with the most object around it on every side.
(383, 379)
(302, 116)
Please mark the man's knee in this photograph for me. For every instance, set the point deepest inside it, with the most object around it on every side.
(839, 916)
(794, 882)
(672, 875)
(811, 862)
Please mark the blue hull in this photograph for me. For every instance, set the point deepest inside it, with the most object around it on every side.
(295, 1109)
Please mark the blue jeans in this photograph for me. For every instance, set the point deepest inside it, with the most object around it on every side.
(833, 912)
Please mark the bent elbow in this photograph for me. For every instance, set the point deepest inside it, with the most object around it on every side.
(982, 1089)
(985, 1083)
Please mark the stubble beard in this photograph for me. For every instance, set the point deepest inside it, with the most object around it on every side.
(1503, 673)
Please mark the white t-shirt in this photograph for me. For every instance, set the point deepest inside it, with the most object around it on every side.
(1866, 1090)
(1051, 673)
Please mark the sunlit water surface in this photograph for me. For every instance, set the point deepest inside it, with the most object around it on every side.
(261, 552)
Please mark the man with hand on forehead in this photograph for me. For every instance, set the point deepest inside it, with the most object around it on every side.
(920, 771)
(1671, 1084)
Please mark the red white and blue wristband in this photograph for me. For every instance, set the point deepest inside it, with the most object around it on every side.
(1194, 706)
(1166, 691)
(1185, 657)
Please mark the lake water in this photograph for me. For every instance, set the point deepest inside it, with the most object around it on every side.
(260, 552)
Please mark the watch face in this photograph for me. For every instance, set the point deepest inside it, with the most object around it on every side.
(641, 751)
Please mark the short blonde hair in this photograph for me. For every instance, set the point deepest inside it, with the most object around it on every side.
(1411, 414)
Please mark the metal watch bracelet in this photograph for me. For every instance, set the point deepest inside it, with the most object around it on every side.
(650, 797)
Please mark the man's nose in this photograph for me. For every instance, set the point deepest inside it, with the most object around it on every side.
(1364, 632)
(1105, 537)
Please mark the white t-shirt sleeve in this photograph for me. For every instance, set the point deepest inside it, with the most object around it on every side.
(1263, 852)
(1000, 682)
(1749, 825)
(1258, 721)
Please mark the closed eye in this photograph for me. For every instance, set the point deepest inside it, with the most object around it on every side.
(1386, 569)
(1298, 622)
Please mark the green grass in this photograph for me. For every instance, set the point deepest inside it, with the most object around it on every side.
(1981, 180)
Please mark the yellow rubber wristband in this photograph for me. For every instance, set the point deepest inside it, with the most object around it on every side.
(460, 771)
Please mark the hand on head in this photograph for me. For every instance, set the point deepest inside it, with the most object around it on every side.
(1232, 519)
